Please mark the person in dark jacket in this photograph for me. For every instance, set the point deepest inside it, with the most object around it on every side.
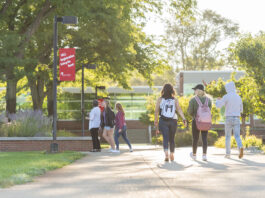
(107, 124)
(192, 110)
(120, 127)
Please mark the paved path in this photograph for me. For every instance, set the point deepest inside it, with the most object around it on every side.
(143, 173)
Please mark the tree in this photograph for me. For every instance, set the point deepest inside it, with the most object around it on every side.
(20, 19)
(115, 42)
(193, 44)
(249, 53)
(109, 34)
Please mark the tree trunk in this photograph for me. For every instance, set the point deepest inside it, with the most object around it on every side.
(37, 91)
(11, 90)
(49, 88)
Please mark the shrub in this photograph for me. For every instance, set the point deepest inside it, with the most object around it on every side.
(157, 139)
(27, 124)
(252, 140)
(248, 141)
(3, 118)
(263, 148)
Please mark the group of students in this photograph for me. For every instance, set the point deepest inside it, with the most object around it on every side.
(200, 110)
(107, 120)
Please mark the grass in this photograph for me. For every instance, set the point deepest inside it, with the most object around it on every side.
(21, 167)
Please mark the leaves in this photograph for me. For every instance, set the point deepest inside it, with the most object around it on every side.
(249, 52)
(193, 45)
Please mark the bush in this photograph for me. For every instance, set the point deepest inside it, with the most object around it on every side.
(263, 148)
(157, 139)
(185, 139)
(248, 141)
(27, 124)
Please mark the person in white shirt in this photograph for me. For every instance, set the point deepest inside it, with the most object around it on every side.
(233, 108)
(94, 124)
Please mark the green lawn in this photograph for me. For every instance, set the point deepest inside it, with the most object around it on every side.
(21, 167)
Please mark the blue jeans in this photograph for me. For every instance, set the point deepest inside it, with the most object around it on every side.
(123, 133)
(168, 129)
(232, 123)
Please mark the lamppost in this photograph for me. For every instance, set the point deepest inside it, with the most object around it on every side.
(88, 66)
(64, 20)
(96, 92)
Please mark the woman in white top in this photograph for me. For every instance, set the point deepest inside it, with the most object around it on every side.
(94, 124)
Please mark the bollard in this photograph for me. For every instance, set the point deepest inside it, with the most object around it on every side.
(54, 148)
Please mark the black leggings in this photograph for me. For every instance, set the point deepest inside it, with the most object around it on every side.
(168, 129)
(94, 134)
(195, 138)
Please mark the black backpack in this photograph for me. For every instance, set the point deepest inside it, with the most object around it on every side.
(112, 117)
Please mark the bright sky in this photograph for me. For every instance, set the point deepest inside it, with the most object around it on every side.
(249, 14)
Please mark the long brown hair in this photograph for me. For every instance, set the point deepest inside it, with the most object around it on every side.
(119, 107)
(107, 103)
(168, 91)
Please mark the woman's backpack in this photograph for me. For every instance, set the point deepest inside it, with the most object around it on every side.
(168, 108)
(203, 117)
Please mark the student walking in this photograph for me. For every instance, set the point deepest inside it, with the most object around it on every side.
(120, 127)
(107, 124)
(233, 108)
(200, 110)
(94, 124)
(166, 107)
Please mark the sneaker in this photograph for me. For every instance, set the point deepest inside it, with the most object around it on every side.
(131, 150)
(192, 156)
(115, 151)
(227, 156)
(110, 150)
(241, 153)
(204, 158)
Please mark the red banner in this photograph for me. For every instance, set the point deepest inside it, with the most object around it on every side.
(67, 64)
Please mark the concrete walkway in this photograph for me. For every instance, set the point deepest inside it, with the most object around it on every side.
(143, 173)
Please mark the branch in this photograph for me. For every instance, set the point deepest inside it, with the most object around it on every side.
(45, 11)
(5, 7)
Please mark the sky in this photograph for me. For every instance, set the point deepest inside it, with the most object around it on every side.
(249, 14)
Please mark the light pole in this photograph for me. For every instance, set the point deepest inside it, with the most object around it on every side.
(96, 90)
(64, 20)
(88, 66)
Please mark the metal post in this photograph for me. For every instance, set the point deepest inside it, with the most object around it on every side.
(96, 93)
(82, 102)
(55, 35)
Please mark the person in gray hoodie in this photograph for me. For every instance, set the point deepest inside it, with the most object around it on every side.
(233, 108)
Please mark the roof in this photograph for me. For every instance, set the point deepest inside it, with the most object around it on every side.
(207, 76)
(135, 89)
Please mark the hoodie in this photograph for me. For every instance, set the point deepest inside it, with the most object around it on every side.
(232, 101)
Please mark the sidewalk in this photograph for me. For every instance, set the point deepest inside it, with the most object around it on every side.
(143, 173)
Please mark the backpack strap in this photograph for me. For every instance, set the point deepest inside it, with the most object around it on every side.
(206, 102)
(198, 100)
